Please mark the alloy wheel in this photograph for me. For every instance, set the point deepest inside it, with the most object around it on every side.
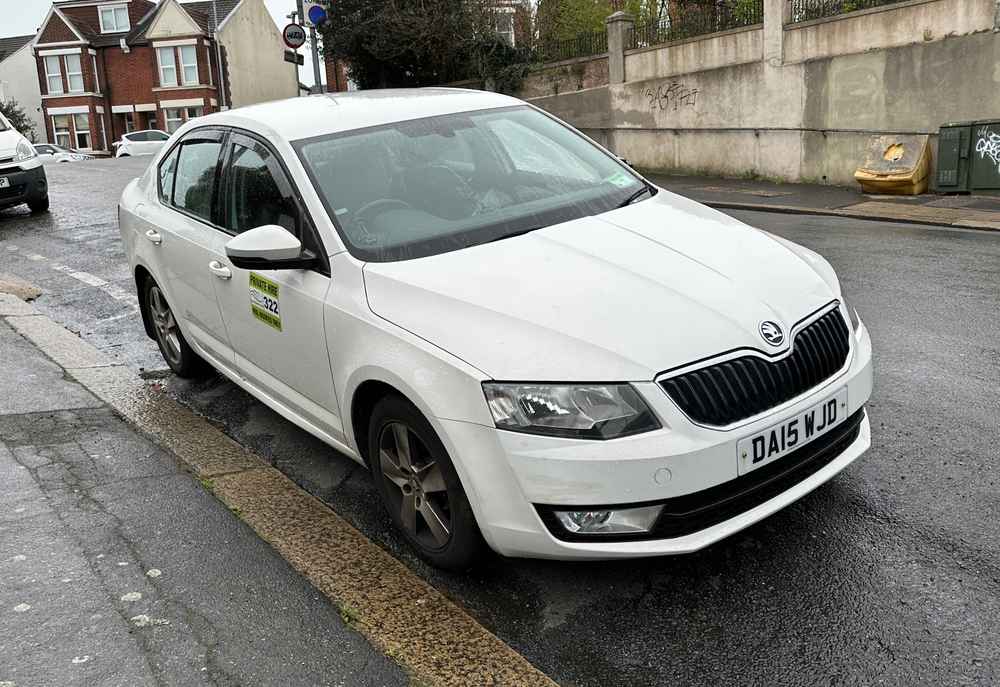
(416, 486)
(165, 324)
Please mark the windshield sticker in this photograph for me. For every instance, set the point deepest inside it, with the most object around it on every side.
(264, 301)
(620, 179)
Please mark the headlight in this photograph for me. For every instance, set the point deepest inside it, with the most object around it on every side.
(24, 151)
(852, 313)
(585, 411)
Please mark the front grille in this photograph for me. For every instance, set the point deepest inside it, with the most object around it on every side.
(683, 515)
(728, 392)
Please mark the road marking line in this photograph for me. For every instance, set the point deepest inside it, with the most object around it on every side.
(400, 613)
(88, 278)
(113, 290)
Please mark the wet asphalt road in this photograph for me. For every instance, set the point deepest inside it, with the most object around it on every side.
(890, 574)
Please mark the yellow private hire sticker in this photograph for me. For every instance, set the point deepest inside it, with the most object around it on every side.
(264, 303)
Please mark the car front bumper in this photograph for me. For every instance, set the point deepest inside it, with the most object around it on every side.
(27, 183)
(509, 475)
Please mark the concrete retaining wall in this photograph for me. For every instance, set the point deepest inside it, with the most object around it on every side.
(715, 106)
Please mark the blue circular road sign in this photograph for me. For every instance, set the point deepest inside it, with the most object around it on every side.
(317, 15)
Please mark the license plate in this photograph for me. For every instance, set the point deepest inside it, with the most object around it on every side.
(4, 182)
(778, 441)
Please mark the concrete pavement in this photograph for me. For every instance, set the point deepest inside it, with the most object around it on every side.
(968, 212)
(116, 568)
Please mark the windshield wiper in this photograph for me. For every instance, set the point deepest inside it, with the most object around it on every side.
(515, 233)
(638, 194)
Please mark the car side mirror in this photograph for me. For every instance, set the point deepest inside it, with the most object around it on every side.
(269, 247)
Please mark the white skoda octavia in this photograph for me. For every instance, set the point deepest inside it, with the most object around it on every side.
(528, 344)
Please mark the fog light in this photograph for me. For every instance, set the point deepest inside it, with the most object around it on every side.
(621, 521)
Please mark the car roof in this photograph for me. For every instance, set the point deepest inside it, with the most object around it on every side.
(328, 113)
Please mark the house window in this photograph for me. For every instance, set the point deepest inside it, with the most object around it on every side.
(174, 117)
(60, 127)
(168, 69)
(104, 135)
(97, 78)
(114, 19)
(53, 74)
(74, 73)
(129, 122)
(189, 65)
(81, 122)
(193, 112)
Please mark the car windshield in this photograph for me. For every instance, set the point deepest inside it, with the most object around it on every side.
(428, 186)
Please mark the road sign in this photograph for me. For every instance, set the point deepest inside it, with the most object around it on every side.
(315, 13)
(294, 57)
(294, 35)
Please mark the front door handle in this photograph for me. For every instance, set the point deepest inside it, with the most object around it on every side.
(154, 236)
(220, 270)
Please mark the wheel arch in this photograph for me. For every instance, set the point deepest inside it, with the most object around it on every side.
(142, 275)
(363, 401)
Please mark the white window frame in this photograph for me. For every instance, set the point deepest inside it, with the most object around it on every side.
(68, 143)
(185, 66)
(71, 75)
(171, 67)
(198, 111)
(118, 12)
(129, 122)
(97, 78)
(86, 132)
(104, 134)
(167, 119)
(57, 74)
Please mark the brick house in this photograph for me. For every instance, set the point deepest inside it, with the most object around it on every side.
(107, 67)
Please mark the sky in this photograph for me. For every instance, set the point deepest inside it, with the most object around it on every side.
(20, 17)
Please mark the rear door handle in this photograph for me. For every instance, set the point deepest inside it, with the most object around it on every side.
(220, 270)
(154, 236)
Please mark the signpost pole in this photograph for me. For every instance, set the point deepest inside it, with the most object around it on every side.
(302, 20)
(315, 52)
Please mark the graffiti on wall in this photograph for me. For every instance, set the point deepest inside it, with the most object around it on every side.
(671, 96)
(988, 145)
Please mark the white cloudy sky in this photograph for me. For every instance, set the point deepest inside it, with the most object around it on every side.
(20, 17)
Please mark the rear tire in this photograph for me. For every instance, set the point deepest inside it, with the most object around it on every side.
(40, 205)
(419, 486)
(168, 336)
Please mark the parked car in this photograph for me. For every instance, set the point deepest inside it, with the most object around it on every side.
(22, 177)
(524, 340)
(146, 142)
(50, 152)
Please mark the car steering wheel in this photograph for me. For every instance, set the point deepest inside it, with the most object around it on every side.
(382, 204)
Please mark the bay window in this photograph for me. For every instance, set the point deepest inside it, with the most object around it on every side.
(60, 129)
(174, 117)
(81, 123)
(53, 75)
(74, 74)
(168, 69)
(97, 78)
(189, 65)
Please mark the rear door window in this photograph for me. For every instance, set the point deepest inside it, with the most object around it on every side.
(195, 174)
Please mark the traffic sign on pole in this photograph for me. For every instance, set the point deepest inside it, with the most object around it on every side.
(294, 35)
(315, 13)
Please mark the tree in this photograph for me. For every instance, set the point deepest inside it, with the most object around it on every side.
(392, 43)
(18, 118)
(561, 20)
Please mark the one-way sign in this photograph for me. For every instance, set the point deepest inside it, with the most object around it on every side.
(294, 57)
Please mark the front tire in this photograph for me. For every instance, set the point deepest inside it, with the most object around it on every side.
(39, 205)
(167, 332)
(419, 486)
